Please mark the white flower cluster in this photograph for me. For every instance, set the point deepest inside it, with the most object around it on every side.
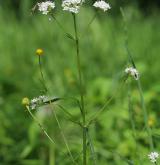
(102, 5)
(153, 156)
(45, 7)
(37, 101)
(132, 72)
(72, 6)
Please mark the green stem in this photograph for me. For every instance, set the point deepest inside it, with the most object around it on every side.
(93, 154)
(63, 136)
(40, 125)
(42, 76)
(131, 60)
(89, 24)
(145, 116)
(58, 23)
(133, 125)
(51, 155)
(81, 93)
(69, 114)
(45, 132)
(98, 113)
(61, 27)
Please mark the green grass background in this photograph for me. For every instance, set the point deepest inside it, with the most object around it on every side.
(104, 59)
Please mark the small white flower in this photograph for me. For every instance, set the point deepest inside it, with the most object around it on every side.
(45, 7)
(153, 156)
(72, 6)
(133, 72)
(102, 5)
(35, 102)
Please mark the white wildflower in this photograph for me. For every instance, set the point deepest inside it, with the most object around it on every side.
(102, 5)
(72, 6)
(45, 7)
(35, 102)
(153, 156)
(133, 72)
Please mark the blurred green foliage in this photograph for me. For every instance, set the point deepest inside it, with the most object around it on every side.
(21, 6)
(103, 61)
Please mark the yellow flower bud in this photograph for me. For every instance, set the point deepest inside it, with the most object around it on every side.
(25, 101)
(39, 52)
(151, 121)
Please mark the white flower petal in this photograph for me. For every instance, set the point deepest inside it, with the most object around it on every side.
(102, 5)
(72, 6)
(153, 156)
(132, 72)
(45, 6)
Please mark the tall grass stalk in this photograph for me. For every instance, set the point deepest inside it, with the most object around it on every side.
(131, 61)
(133, 124)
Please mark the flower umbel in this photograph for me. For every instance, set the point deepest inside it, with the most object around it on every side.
(102, 5)
(37, 101)
(153, 156)
(39, 52)
(72, 6)
(132, 72)
(46, 7)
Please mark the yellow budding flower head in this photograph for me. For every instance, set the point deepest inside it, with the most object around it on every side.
(25, 101)
(39, 52)
(151, 121)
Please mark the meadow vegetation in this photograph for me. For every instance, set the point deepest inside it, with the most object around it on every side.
(103, 60)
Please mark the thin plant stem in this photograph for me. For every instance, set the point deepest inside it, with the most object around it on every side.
(133, 125)
(64, 110)
(89, 24)
(69, 114)
(51, 155)
(41, 73)
(63, 136)
(131, 60)
(61, 27)
(98, 113)
(56, 99)
(40, 125)
(44, 131)
(149, 132)
(93, 154)
(81, 92)
(58, 23)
